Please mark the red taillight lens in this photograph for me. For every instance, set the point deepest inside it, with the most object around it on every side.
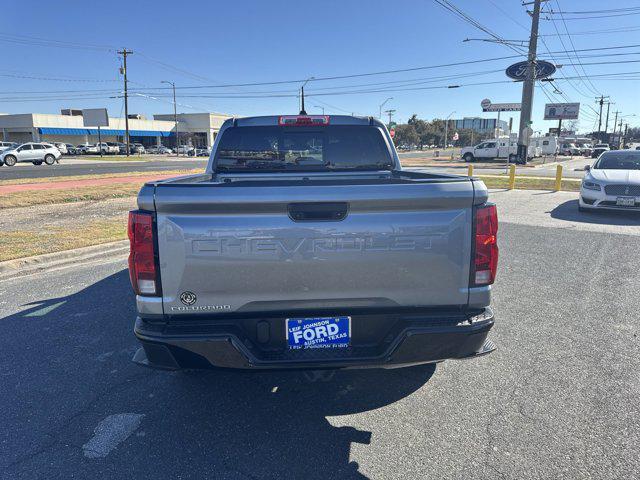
(142, 261)
(303, 120)
(486, 246)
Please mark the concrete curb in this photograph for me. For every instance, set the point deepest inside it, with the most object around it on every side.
(50, 261)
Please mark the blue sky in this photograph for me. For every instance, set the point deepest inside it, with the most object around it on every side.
(210, 43)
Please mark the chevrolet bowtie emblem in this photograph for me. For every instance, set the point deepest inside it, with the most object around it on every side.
(626, 191)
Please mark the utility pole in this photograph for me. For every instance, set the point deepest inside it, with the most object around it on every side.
(601, 102)
(606, 125)
(175, 115)
(527, 86)
(382, 105)
(390, 113)
(124, 52)
(615, 121)
(624, 137)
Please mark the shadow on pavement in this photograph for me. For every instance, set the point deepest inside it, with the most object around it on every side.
(569, 211)
(196, 424)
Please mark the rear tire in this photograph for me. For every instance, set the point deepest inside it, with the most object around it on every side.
(10, 160)
(49, 159)
(468, 157)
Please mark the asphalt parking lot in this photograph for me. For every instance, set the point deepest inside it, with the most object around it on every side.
(558, 399)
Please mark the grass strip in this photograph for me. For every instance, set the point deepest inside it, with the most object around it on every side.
(71, 178)
(50, 197)
(26, 243)
(530, 183)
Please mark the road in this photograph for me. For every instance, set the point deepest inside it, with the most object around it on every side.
(558, 399)
(71, 166)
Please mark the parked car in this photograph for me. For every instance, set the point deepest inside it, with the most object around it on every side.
(331, 260)
(569, 149)
(185, 149)
(599, 148)
(204, 152)
(152, 150)
(71, 149)
(137, 148)
(36, 153)
(612, 182)
(163, 149)
(86, 148)
(5, 145)
(108, 148)
(62, 147)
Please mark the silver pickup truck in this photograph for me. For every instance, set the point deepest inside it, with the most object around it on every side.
(305, 245)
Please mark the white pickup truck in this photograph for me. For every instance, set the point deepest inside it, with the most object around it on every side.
(501, 148)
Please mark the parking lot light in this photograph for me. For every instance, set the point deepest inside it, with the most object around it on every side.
(175, 113)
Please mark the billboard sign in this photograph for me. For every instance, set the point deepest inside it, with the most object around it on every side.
(561, 111)
(95, 117)
(487, 106)
(518, 71)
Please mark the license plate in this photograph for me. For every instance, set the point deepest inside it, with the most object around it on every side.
(626, 201)
(318, 332)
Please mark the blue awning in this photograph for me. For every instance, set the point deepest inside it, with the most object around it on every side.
(62, 131)
(132, 133)
(103, 131)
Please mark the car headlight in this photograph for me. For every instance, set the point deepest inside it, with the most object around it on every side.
(590, 185)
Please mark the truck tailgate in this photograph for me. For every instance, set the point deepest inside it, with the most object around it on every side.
(266, 247)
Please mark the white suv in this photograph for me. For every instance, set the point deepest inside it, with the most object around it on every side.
(35, 153)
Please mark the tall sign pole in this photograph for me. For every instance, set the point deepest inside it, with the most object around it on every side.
(124, 52)
(527, 86)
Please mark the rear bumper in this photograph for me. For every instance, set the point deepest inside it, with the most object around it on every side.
(416, 340)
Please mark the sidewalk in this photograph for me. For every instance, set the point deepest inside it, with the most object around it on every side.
(93, 182)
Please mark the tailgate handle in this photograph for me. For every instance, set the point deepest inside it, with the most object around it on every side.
(314, 212)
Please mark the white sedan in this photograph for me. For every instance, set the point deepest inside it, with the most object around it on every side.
(612, 182)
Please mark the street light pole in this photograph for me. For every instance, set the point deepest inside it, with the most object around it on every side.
(175, 115)
(318, 106)
(382, 105)
(528, 84)
(302, 110)
(446, 129)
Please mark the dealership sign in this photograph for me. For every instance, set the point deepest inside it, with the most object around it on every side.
(487, 106)
(518, 71)
(561, 111)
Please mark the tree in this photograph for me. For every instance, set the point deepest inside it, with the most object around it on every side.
(406, 135)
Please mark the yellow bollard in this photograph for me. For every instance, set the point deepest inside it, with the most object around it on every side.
(470, 171)
(512, 177)
(558, 185)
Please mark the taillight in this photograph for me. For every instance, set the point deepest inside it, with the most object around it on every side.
(143, 271)
(303, 120)
(485, 262)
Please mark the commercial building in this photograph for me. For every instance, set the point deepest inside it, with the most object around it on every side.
(196, 129)
(482, 125)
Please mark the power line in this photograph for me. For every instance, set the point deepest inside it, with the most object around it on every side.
(598, 16)
(467, 18)
(589, 12)
(593, 87)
